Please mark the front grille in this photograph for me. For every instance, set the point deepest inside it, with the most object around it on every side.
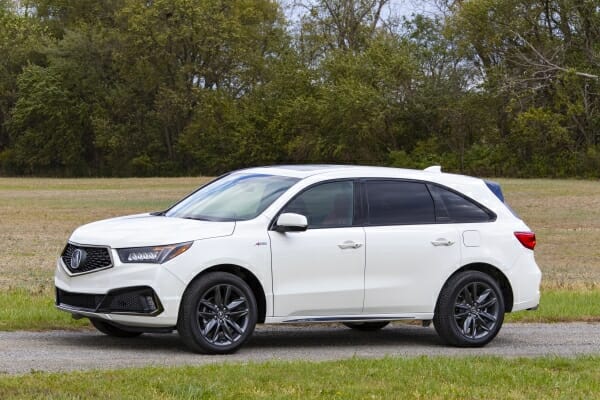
(84, 301)
(93, 258)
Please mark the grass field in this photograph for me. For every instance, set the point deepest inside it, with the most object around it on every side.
(390, 378)
(565, 214)
(38, 216)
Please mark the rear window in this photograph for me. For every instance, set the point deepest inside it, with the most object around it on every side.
(452, 207)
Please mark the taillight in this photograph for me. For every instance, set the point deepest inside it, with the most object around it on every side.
(527, 239)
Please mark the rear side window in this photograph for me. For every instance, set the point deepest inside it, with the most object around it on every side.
(399, 203)
(452, 207)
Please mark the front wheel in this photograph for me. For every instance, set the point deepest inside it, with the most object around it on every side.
(218, 314)
(470, 310)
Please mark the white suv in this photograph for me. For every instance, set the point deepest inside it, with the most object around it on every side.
(311, 243)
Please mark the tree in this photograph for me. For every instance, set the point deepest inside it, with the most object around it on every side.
(44, 108)
(187, 54)
(22, 41)
(538, 59)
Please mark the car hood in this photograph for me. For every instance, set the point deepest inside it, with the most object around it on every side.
(148, 230)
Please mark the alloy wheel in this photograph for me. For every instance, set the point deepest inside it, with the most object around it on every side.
(223, 314)
(476, 310)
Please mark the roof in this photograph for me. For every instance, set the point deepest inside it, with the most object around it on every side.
(306, 170)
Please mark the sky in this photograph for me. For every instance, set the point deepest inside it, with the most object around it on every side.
(396, 7)
(408, 7)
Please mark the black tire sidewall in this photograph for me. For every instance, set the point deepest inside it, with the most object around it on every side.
(444, 319)
(188, 326)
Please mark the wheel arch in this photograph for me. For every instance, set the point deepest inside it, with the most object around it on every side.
(497, 274)
(246, 276)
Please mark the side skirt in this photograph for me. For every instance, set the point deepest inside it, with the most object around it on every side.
(348, 318)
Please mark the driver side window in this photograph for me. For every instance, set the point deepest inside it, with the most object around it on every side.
(328, 205)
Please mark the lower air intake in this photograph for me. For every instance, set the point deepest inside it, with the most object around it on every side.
(132, 300)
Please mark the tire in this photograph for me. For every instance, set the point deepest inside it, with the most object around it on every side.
(111, 330)
(218, 314)
(470, 310)
(367, 326)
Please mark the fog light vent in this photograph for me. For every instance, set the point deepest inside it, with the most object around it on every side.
(138, 300)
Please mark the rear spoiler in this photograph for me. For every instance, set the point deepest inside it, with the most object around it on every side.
(436, 169)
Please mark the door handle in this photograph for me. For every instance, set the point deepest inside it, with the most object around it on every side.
(442, 242)
(349, 244)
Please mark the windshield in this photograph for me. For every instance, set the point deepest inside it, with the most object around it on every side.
(236, 197)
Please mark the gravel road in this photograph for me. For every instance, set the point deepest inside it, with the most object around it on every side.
(22, 352)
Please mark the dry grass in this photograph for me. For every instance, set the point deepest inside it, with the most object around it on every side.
(38, 216)
(565, 214)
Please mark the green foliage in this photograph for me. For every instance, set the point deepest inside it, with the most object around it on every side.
(49, 124)
(21, 43)
(538, 137)
(168, 87)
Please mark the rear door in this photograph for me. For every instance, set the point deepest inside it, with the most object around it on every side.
(408, 255)
(469, 218)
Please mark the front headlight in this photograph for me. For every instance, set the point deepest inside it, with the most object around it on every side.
(154, 254)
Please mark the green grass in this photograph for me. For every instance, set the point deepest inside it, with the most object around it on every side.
(22, 309)
(561, 305)
(389, 378)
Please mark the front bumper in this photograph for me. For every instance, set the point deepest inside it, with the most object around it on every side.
(137, 295)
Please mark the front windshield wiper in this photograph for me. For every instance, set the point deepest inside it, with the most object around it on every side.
(211, 219)
(197, 218)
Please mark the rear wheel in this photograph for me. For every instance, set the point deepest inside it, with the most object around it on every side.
(111, 330)
(367, 326)
(470, 310)
(218, 314)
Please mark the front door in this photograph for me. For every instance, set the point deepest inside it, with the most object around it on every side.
(320, 272)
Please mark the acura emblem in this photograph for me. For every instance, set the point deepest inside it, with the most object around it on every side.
(77, 258)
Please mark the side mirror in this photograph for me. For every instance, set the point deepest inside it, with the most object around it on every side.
(290, 222)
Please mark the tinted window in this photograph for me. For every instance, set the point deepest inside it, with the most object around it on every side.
(328, 205)
(452, 207)
(396, 202)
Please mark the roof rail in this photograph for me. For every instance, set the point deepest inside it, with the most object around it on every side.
(437, 169)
